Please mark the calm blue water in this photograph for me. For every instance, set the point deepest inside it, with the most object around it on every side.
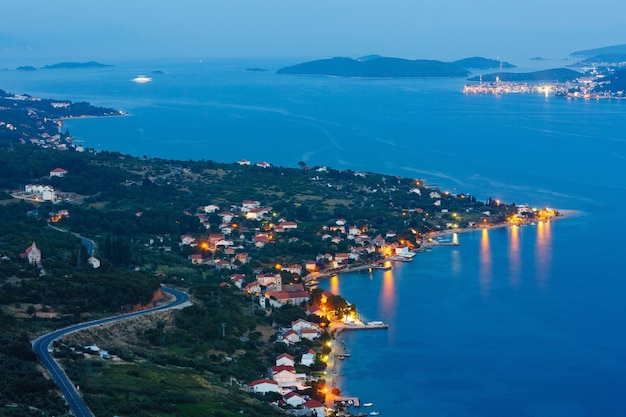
(517, 321)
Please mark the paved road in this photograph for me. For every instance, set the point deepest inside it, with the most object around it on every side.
(90, 245)
(69, 391)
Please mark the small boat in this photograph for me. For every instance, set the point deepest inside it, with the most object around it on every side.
(374, 413)
(141, 79)
(368, 404)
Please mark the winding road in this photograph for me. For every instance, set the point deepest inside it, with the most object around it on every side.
(42, 344)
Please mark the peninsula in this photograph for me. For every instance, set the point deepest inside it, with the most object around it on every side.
(91, 234)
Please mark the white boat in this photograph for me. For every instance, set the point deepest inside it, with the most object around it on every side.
(368, 404)
(141, 79)
(374, 413)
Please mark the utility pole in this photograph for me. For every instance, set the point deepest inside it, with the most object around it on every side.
(223, 329)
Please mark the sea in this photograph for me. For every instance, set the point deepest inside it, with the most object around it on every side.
(523, 321)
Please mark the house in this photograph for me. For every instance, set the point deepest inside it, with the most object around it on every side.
(187, 240)
(315, 310)
(214, 238)
(341, 258)
(263, 386)
(300, 324)
(280, 298)
(402, 250)
(308, 358)
(390, 234)
(243, 162)
(238, 280)
(294, 269)
(58, 172)
(222, 264)
(285, 359)
(242, 257)
(284, 375)
(294, 399)
(354, 231)
(266, 279)
(33, 254)
(289, 225)
(263, 164)
(196, 258)
(290, 337)
(310, 266)
(261, 240)
(316, 407)
(309, 334)
(211, 208)
(340, 222)
(257, 213)
(248, 205)
(252, 288)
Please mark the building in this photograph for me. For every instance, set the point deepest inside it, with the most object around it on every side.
(33, 254)
(58, 172)
(263, 386)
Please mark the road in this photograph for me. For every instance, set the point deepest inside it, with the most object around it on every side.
(69, 391)
(90, 245)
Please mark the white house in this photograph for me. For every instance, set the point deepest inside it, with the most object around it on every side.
(285, 359)
(402, 250)
(294, 399)
(300, 324)
(285, 376)
(291, 337)
(248, 205)
(211, 208)
(308, 358)
(317, 407)
(58, 172)
(263, 386)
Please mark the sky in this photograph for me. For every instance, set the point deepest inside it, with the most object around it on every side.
(306, 29)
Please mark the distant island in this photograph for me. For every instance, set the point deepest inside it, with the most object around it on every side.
(377, 66)
(482, 63)
(615, 49)
(554, 75)
(256, 69)
(26, 68)
(72, 65)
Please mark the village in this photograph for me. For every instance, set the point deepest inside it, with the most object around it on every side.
(234, 240)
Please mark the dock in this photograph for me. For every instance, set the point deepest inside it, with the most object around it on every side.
(347, 401)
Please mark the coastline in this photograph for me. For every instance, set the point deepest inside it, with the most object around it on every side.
(338, 346)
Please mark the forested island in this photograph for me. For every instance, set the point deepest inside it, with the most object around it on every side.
(384, 67)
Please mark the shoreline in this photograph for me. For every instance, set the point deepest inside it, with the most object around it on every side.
(333, 369)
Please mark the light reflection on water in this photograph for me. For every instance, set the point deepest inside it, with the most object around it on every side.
(515, 263)
(388, 294)
(543, 253)
(485, 263)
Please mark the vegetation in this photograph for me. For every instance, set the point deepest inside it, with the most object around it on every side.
(187, 362)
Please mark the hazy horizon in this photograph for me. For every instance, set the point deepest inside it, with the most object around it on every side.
(37, 30)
